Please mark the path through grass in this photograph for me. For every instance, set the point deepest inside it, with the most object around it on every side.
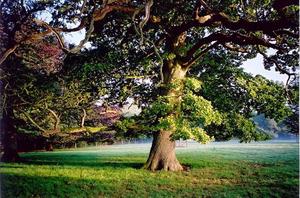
(217, 170)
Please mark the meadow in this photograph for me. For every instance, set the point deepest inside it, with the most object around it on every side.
(216, 170)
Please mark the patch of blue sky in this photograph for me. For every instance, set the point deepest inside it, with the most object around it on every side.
(255, 66)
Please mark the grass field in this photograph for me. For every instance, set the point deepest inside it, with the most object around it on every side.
(217, 170)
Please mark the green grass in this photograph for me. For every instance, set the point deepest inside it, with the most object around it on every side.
(217, 170)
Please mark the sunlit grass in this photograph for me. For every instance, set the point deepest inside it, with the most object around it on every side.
(217, 170)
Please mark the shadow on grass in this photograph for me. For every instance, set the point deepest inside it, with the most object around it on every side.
(16, 185)
(92, 164)
(92, 161)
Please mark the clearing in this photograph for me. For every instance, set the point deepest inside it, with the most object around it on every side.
(264, 169)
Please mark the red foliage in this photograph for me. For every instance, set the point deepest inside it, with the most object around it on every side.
(106, 115)
(46, 57)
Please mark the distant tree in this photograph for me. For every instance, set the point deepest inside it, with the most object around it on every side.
(292, 121)
(268, 125)
(31, 47)
(19, 71)
(104, 115)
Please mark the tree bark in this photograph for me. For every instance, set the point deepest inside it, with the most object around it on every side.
(49, 146)
(162, 154)
(9, 137)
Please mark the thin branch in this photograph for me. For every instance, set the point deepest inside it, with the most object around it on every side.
(148, 6)
(234, 48)
(281, 70)
(139, 77)
(198, 56)
(140, 33)
(33, 122)
(221, 19)
(287, 87)
(83, 118)
(206, 40)
(287, 81)
(46, 25)
(75, 29)
(57, 119)
(85, 40)
(286, 32)
(97, 15)
(7, 53)
(82, 7)
(204, 4)
(277, 65)
(235, 38)
(108, 111)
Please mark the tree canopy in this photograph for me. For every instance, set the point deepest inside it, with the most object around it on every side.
(179, 60)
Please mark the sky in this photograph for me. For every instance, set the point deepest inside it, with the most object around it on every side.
(255, 66)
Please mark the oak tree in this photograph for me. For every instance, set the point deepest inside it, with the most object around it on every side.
(206, 40)
(180, 59)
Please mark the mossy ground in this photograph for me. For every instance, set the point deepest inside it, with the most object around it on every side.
(217, 170)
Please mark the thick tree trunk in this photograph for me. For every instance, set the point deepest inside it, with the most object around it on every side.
(162, 154)
(9, 137)
(49, 147)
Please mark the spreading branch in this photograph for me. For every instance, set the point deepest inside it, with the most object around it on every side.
(195, 58)
(139, 32)
(220, 19)
(97, 15)
(278, 66)
(234, 48)
(8, 52)
(235, 38)
(33, 122)
(57, 119)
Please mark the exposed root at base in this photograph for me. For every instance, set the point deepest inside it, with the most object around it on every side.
(166, 166)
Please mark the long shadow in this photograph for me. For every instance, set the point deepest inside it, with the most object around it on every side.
(18, 185)
(14, 185)
(80, 161)
(95, 164)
